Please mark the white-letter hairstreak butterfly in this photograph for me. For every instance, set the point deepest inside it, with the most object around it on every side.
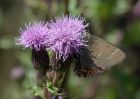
(98, 56)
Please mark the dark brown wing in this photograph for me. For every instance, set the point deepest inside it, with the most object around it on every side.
(104, 54)
(88, 72)
(85, 66)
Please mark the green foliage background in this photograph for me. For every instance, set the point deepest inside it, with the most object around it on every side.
(117, 21)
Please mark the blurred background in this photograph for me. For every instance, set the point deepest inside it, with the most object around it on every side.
(117, 21)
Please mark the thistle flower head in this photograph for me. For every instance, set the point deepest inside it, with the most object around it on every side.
(33, 35)
(66, 36)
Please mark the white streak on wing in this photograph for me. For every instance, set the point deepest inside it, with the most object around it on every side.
(98, 57)
(112, 54)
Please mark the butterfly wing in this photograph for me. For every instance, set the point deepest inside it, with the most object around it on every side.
(84, 65)
(98, 56)
(104, 54)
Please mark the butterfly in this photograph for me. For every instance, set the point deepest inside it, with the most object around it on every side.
(98, 56)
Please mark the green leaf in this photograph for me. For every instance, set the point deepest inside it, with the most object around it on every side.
(52, 89)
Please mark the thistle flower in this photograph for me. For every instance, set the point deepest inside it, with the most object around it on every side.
(33, 35)
(66, 36)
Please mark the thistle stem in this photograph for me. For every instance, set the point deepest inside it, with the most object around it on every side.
(52, 76)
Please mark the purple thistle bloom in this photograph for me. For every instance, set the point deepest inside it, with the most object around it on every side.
(33, 36)
(66, 36)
